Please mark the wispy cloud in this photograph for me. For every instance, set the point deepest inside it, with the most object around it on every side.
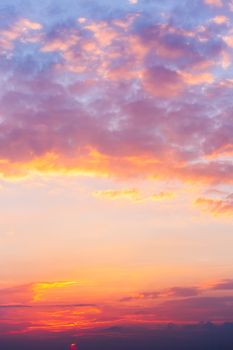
(224, 285)
(33, 293)
(217, 206)
(134, 195)
(131, 194)
(173, 292)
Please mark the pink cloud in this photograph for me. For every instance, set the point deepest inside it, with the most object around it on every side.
(217, 3)
(60, 44)
(162, 82)
(24, 30)
(112, 103)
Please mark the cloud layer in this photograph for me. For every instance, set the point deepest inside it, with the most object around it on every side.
(43, 307)
(128, 94)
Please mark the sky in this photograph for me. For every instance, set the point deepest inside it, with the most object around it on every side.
(116, 163)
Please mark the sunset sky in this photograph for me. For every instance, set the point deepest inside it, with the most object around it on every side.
(116, 164)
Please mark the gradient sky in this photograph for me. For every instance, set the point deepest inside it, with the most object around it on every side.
(116, 172)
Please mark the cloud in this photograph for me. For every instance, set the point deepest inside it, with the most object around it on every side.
(181, 292)
(220, 20)
(22, 30)
(60, 44)
(17, 295)
(132, 194)
(173, 292)
(162, 196)
(184, 303)
(162, 82)
(217, 206)
(217, 3)
(224, 285)
(112, 97)
(141, 296)
(167, 336)
(184, 291)
(14, 306)
(40, 288)
(33, 293)
(44, 307)
(217, 309)
(150, 307)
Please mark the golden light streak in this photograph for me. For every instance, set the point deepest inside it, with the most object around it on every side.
(39, 289)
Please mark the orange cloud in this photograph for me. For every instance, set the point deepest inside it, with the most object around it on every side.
(39, 289)
(217, 207)
(93, 163)
(131, 194)
(35, 293)
(220, 19)
(134, 195)
(197, 79)
(159, 305)
(162, 196)
(226, 149)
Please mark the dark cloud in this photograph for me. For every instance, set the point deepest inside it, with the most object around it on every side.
(194, 337)
(224, 285)
(193, 309)
(184, 292)
(14, 306)
(176, 292)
